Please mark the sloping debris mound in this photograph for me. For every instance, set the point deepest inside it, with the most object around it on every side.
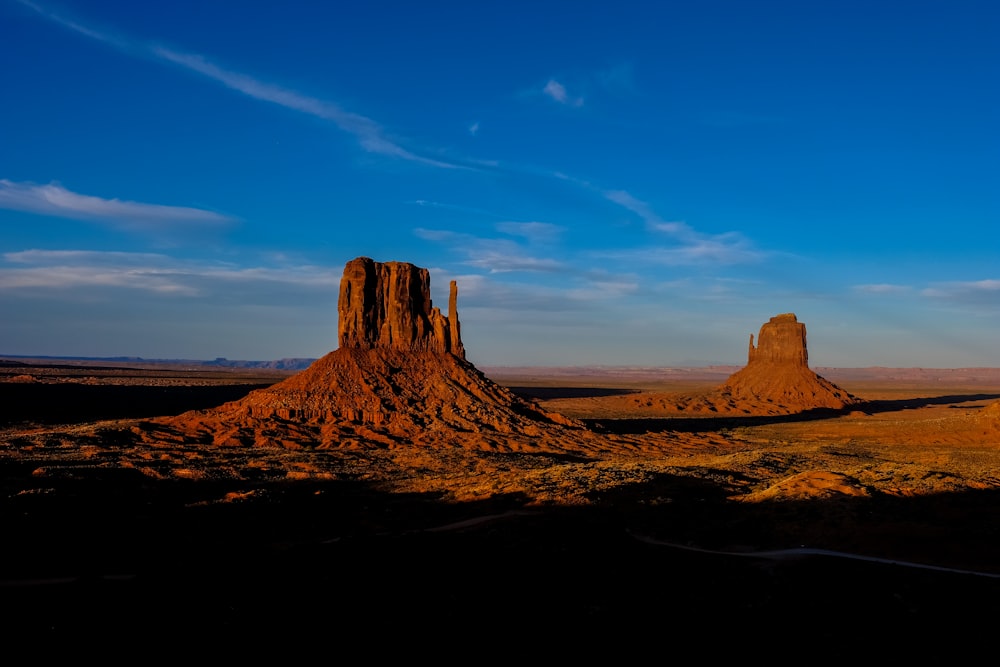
(990, 415)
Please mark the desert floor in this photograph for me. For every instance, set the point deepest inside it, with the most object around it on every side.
(869, 533)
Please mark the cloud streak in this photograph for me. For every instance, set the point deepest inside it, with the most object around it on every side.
(694, 247)
(62, 270)
(973, 291)
(491, 255)
(370, 135)
(882, 288)
(534, 232)
(55, 200)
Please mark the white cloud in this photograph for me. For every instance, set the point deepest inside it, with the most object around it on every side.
(369, 134)
(75, 26)
(492, 255)
(474, 128)
(645, 211)
(535, 232)
(882, 288)
(705, 252)
(437, 235)
(75, 269)
(50, 257)
(152, 272)
(976, 291)
(54, 199)
(504, 258)
(693, 247)
(557, 91)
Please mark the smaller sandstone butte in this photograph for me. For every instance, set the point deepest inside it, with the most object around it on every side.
(777, 373)
(388, 305)
(776, 381)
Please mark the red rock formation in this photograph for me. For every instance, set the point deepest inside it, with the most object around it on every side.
(399, 377)
(777, 377)
(782, 340)
(388, 305)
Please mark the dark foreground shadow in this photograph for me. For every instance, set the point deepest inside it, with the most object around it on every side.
(108, 557)
(547, 393)
(68, 403)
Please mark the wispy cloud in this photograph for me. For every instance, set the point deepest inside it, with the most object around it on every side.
(474, 128)
(557, 91)
(492, 255)
(370, 135)
(456, 207)
(151, 272)
(645, 211)
(76, 26)
(975, 291)
(76, 269)
(882, 288)
(54, 199)
(500, 301)
(534, 232)
(92, 257)
(707, 251)
(692, 247)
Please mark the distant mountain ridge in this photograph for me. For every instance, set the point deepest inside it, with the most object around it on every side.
(291, 364)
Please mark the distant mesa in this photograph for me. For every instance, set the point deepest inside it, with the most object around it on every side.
(776, 381)
(400, 376)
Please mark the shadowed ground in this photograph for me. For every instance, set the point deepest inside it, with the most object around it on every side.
(533, 547)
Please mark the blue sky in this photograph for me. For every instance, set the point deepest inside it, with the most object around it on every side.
(613, 183)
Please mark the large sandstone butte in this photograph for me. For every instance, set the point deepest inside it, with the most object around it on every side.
(777, 373)
(400, 376)
(388, 305)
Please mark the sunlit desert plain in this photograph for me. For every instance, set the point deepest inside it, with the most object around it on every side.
(396, 490)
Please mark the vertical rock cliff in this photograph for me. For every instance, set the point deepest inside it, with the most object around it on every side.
(388, 305)
(782, 340)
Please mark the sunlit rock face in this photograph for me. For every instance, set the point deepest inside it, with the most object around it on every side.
(388, 305)
(782, 340)
(399, 378)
